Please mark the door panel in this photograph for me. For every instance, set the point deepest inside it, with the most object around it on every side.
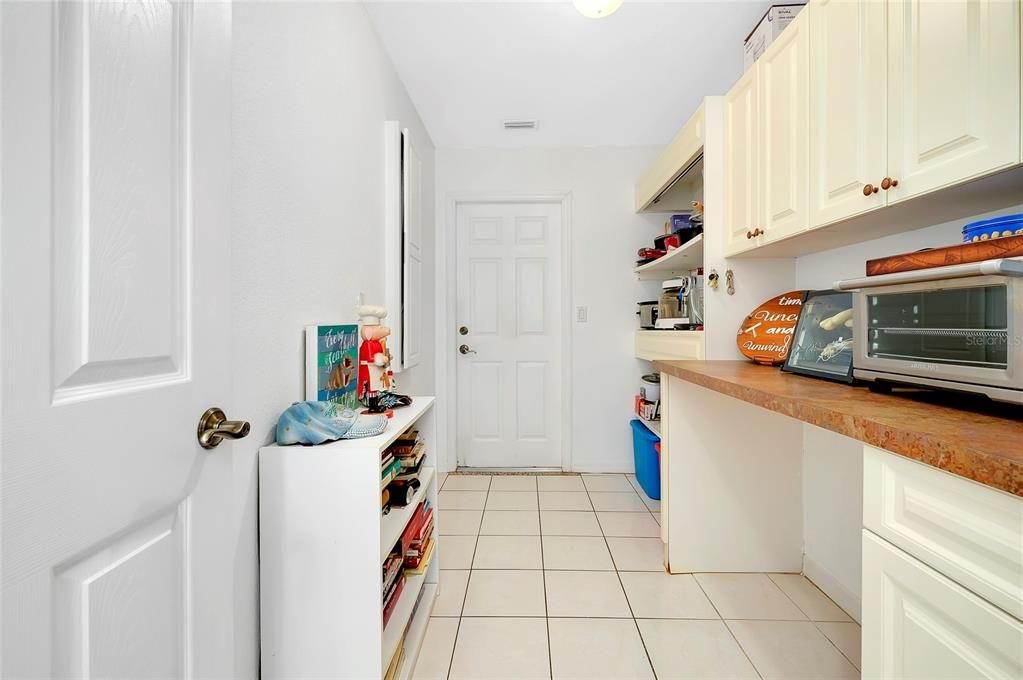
(940, 135)
(509, 298)
(741, 139)
(847, 108)
(117, 556)
(785, 116)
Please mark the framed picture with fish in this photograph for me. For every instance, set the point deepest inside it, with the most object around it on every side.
(332, 364)
(822, 345)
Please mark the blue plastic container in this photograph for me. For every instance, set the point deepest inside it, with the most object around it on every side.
(996, 227)
(648, 466)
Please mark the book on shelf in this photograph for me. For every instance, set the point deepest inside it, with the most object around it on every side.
(392, 569)
(391, 599)
(424, 563)
(396, 660)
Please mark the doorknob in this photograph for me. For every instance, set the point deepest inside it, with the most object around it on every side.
(464, 349)
(214, 427)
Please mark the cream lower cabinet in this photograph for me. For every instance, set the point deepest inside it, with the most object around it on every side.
(953, 92)
(942, 574)
(920, 624)
(847, 108)
(741, 158)
(783, 175)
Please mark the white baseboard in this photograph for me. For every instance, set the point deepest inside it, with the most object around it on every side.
(851, 602)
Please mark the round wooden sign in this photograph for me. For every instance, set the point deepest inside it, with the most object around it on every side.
(766, 334)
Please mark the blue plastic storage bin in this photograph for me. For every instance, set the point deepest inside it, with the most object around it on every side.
(996, 227)
(648, 466)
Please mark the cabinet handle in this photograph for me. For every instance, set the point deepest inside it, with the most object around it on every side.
(869, 189)
(749, 234)
(889, 183)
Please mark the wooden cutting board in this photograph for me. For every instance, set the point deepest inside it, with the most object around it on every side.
(1007, 246)
(766, 334)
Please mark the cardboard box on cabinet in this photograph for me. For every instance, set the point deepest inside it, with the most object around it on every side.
(770, 27)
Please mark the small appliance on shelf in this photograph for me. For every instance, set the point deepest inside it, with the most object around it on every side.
(681, 304)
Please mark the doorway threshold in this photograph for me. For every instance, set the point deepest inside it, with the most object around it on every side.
(463, 470)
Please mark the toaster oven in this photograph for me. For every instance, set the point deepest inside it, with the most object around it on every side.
(958, 327)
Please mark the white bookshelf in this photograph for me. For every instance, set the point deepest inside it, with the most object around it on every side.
(322, 546)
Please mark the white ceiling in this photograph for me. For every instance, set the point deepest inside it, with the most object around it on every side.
(629, 79)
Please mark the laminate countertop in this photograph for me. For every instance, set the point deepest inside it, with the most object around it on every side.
(967, 436)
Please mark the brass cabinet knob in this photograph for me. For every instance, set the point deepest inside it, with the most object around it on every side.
(749, 234)
(889, 183)
(869, 189)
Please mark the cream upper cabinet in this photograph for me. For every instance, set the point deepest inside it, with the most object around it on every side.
(783, 165)
(953, 92)
(741, 152)
(847, 108)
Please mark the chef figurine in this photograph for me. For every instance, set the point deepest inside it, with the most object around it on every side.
(375, 374)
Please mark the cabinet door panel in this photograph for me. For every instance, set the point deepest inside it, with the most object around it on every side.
(919, 624)
(953, 91)
(847, 108)
(741, 139)
(784, 86)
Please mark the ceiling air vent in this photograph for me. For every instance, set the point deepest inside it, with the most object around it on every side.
(520, 125)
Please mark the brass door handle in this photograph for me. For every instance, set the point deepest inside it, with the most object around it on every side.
(214, 427)
(464, 349)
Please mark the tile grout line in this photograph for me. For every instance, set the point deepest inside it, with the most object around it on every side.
(543, 576)
(814, 621)
(727, 627)
(465, 595)
(621, 584)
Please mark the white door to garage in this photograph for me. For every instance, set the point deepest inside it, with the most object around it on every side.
(509, 334)
(117, 532)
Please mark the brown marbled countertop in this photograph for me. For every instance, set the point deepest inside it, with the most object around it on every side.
(967, 436)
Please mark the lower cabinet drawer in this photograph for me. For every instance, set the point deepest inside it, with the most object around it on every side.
(969, 532)
(919, 624)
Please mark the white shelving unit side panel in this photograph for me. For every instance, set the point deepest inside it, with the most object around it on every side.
(320, 573)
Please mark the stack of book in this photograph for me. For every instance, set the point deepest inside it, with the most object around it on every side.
(394, 581)
(410, 450)
(390, 467)
(417, 541)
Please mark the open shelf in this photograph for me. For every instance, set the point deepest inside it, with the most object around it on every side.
(652, 425)
(417, 631)
(400, 616)
(393, 523)
(685, 258)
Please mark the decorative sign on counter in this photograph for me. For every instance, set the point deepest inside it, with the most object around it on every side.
(332, 364)
(766, 334)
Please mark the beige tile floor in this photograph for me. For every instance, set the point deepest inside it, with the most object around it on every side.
(561, 577)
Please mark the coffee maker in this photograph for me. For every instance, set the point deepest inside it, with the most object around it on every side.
(681, 302)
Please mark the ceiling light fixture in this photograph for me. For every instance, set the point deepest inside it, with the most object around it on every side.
(596, 9)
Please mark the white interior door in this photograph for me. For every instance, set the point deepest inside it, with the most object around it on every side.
(117, 541)
(509, 302)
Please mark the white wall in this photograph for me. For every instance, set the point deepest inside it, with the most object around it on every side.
(606, 232)
(832, 463)
(311, 91)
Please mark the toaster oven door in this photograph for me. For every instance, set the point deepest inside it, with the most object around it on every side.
(964, 330)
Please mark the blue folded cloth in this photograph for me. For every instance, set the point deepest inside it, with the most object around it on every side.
(315, 422)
